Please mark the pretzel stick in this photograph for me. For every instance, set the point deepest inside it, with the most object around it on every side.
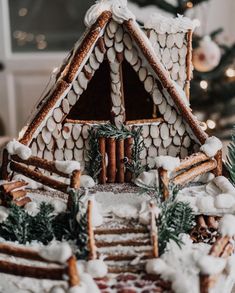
(31, 271)
(91, 238)
(192, 173)
(128, 154)
(188, 63)
(111, 151)
(73, 272)
(192, 160)
(219, 168)
(21, 252)
(86, 121)
(10, 186)
(163, 174)
(22, 202)
(120, 161)
(5, 162)
(147, 121)
(102, 176)
(154, 232)
(41, 163)
(37, 176)
(75, 179)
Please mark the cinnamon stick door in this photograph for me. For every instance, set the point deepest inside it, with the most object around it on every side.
(115, 153)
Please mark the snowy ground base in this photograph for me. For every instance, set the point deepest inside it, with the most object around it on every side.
(121, 202)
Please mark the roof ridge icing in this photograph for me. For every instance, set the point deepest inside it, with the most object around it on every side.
(118, 8)
(163, 24)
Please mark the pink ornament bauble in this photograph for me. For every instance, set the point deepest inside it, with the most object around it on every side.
(207, 56)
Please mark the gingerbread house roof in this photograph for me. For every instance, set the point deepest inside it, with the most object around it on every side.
(97, 18)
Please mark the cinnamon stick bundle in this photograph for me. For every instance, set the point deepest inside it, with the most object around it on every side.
(111, 152)
(22, 202)
(120, 161)
(128, 154)
(191, 161)
(10, 186)
(102, 149)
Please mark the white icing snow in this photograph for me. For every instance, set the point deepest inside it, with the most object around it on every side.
(167, 162)
(230, 266)
(211, 146)
(87, 181)
(96, 215)
(210, 265)
(149, 178)
(126, 211)
(57, 289)
(32, 208)
(227, 225)
(90, 283)
(67, 167)
(58, 252)
(156, 266)
(224, 201)
(16, 148)
(96, 268)
(144, 213)
(4, 212)
(206, 203)
(162, 24)
(224, 184)
(119, 9)
(181, 93)
(81, 288)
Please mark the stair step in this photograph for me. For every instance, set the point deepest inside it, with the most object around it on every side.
(120, 257)
(123, 243)
(100, 231)
(126, 269)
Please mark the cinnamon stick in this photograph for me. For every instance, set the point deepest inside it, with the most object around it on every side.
(91, 238)
(75, 179)
(163, 175)
(120, 161)
(39, 177)
(5, 161)
(102, 149)
(201, 223)
(128, 154)
(111, 152)
(73, 272)
(212, 223)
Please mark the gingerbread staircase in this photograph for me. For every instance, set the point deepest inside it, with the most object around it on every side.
(125, 246)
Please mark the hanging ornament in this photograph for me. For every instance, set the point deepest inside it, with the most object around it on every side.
(207, 56)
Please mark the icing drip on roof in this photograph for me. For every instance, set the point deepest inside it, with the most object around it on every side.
(119, 9)
(162, 24)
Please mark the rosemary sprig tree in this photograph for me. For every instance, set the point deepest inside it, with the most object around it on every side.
(176, 217)
(231, 158)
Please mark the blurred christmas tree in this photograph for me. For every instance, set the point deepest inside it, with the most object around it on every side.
(213, 84)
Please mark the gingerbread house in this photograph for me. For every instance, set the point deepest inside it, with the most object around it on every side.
(135, 79)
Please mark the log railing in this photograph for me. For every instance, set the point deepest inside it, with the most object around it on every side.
(56, 272)
(154, 231)
(18, 165)
(190, 168)
(221, 248)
